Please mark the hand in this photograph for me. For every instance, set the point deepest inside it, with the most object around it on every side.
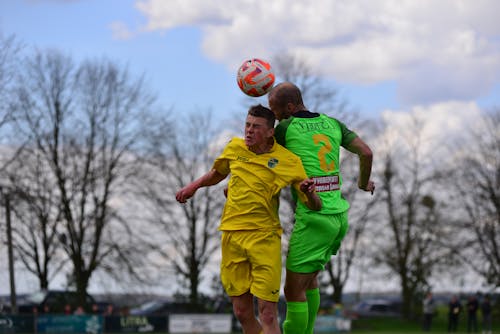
(307, 186)
(369, 187)
(184, 194)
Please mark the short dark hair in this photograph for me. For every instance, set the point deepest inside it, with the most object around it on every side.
(260, 111)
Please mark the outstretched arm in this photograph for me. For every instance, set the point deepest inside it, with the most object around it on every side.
(209, 179)
(313, 201)
(365, 155)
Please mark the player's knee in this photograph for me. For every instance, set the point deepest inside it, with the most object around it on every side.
(243, 314)
(293, 293)
(268, 316)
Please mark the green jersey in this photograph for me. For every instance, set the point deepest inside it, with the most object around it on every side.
(316, 139)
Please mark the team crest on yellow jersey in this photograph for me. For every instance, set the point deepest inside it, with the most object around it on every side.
(272, 162)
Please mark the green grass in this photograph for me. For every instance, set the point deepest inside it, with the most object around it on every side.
(399, 326)
(391, 325)
(385, 324)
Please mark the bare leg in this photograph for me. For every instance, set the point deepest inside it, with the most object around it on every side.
(244, 311)
(268, 314)
(296, 285)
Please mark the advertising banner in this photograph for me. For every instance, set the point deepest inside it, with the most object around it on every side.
(69, 324)
(17, 324)
(200, 323)
(135, 324)
(332, 324)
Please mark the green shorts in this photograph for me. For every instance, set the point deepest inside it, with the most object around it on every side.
(315, 238)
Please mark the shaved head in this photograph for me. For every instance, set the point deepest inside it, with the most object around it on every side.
(286, 92)
(285, 99)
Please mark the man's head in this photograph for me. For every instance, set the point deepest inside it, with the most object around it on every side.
(285, 99)
(259, 128)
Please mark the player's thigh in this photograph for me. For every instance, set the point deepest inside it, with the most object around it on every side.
(340, 220)
(313, 238)
(296, 284)
(243, 304)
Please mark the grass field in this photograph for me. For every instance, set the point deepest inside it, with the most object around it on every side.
(400, 326)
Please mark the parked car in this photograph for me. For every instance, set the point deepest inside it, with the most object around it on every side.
(376, 308)
(53, 301)
(164, 307)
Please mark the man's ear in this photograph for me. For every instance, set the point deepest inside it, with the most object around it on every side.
(271, 132)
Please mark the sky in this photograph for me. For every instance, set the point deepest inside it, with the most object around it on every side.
(382, 56)
(438, 60)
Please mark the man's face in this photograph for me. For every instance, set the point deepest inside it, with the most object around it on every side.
(257, 132)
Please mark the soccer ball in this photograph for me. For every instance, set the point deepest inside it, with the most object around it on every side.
(255, 77)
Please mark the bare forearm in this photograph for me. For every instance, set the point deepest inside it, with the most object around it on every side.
(313, 201)
(209, 179)
(365, 168)
(365, 155)
(309, 189)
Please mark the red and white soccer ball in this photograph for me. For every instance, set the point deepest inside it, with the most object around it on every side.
(255, 77)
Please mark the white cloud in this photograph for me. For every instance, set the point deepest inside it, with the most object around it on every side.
(120, 31)
(435, 50)
(432, 129)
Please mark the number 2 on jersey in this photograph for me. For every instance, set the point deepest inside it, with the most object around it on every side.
(323, 151)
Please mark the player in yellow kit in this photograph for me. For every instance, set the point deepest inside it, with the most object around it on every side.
(251, 230)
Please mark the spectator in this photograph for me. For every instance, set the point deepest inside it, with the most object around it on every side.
(472, 307)
(338, 309)
(79, 310)
(67, 309)
(124, 311)
(109, 310)
(486, 314)
(454, 311)
(429, 308)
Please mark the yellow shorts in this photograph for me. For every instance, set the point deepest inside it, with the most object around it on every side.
(251, 261)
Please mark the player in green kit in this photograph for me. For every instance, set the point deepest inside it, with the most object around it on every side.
(316, 236)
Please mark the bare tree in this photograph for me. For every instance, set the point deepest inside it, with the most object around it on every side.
(85, 125)
(416, 224)
(187, 232)
(38, 217)
(475, 188)
(9, 50)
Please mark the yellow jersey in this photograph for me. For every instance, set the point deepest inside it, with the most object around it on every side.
(255, 184)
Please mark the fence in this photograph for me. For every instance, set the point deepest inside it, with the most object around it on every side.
(175, 323)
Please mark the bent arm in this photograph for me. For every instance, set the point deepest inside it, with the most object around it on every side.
(365, 155)
(209, 179)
